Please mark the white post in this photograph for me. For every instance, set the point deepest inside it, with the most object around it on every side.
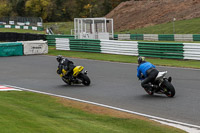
(112, 28)
(105, 25)
(174, 19)
(102, 27)
(85, 28)
(79, 29)
(93, 31)
(82, 27)
(75, 28)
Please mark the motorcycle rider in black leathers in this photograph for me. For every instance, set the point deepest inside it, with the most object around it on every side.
(66, 64)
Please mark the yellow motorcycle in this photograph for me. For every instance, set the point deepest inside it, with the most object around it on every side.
(78, 77)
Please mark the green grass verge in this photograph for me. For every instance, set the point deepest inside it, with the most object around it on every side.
(21, 31)
(60, 27)
(27, 112)
(125, 58)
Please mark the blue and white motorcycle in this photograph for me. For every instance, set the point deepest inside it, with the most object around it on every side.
(163, 84)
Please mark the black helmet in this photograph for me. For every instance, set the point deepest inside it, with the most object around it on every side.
(141, 59)
(59, 58)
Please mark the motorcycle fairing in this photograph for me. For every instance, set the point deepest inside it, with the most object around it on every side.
(161, 75)
(63, 73)
(77, 70)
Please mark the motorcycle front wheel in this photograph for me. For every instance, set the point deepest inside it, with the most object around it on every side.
(85, 79)
(168, 89)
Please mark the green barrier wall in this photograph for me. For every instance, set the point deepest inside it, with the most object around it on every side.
(161, 37)
(22, 27)
(11, 49)
(51, 39)
(137, 37)
(86, 45)
(166, 37)
(196, 37)
(161, 50)
(115, 37)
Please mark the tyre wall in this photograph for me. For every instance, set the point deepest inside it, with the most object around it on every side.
(13, 37)
(149, 49)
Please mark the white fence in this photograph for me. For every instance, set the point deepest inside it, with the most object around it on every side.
(62, 44)
(124, 37)
(152, 37)
(183, 37)
(119, 47)
(155, 37)
(191, 51)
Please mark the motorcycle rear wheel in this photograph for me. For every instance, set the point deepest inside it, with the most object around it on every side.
(85, 79)
(168, 88)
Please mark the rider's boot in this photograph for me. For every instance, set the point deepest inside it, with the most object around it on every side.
(151, 88)
(68, 75)
(154, 88)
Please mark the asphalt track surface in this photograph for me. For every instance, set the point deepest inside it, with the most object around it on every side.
(113, 84)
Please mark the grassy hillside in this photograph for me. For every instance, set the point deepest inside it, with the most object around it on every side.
(191, 26)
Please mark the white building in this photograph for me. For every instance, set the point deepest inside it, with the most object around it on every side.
(93, 28)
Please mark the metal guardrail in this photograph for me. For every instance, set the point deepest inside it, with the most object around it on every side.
(158, 37)
(51, 39)
(62, 44)
(161, 50)
(119, 47)
(148, 49)
(87, 45)
(191, 51)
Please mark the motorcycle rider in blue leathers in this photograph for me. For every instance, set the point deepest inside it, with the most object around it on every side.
(146, 72)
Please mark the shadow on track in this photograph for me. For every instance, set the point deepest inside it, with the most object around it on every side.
(146, 96)
(65, 86)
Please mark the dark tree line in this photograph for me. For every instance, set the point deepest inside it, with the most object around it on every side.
(57, 10)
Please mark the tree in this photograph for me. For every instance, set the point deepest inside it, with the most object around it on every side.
(69, 10)
(57, 10)
(5, 8)
(39, 8)
(17, 7)
(80, 11)
(106, 6)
